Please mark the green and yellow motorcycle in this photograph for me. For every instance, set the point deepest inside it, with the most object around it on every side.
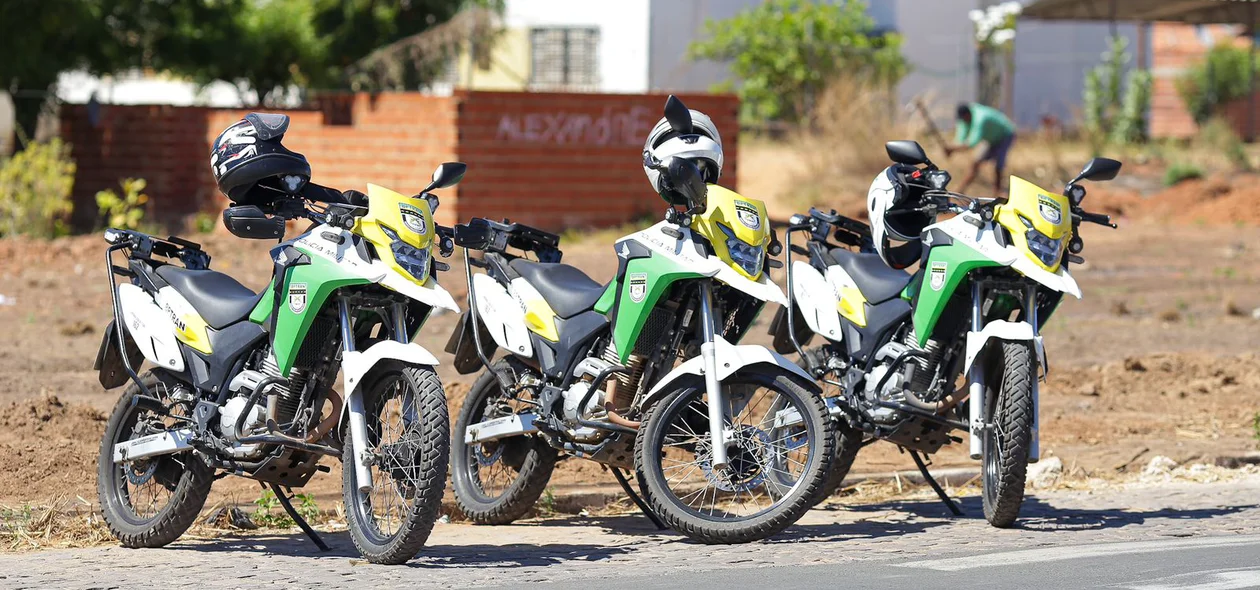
(895, 346)
(242, 383)
(589, 371)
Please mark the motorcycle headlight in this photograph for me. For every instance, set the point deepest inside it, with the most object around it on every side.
(1046, 250)
(412, 259)
(747, 256)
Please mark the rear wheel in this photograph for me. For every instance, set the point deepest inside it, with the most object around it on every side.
(848, 443)
(499, 481)
(773, 474)
(1009, 413)
(408, 433)
(150, 502)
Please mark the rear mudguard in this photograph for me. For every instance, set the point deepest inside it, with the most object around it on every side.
(731, 359)
(354, 367)
(109, 360)
(977, 342)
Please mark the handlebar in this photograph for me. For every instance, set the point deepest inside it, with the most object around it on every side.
(1097, 218)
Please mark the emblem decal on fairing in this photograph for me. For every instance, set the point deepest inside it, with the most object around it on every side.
(638, 287)
(748, 215)
(297, 297)
(938, 275)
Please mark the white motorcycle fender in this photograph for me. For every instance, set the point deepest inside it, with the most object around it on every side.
(976, 342)
(502, 315)
(731, 359)
(354, 365)
(816, 300)
(150, 327)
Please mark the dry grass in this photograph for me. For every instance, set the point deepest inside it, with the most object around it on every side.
(62, 523)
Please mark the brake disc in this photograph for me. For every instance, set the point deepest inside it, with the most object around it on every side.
(746, 457)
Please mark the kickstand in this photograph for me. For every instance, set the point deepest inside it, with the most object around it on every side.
(634, 497)
(936, 487)
(301, 522)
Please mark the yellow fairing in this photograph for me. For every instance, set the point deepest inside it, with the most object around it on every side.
(409, 217)
(1047, 212)
(852, 306)
(191, 330)
(541, 319)
(745, 217)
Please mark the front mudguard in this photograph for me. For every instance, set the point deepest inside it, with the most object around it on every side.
(354, 367)
(977, 343)
(731, 359)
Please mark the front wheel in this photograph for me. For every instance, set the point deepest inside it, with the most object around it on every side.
(773, 474)
(408, 440)
(1009, 414)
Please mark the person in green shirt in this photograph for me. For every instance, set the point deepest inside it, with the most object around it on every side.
(977, 123)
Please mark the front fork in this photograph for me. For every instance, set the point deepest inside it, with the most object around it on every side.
(717, 399)
(975, 379)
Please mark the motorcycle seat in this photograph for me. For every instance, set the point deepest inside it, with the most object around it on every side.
(565, 288)
(877, 281)
(218, 298)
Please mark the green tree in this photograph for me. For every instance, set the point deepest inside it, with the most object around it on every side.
(1221, 76)
(785, 52)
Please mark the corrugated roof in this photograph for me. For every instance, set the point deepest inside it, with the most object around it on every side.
(1244, 12)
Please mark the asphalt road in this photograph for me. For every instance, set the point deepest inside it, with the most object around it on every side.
(1204, 563)
(1156, 535)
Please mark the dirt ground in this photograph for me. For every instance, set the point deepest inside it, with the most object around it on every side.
(1159, 358)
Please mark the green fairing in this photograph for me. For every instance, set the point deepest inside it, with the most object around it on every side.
(959, 260)
(262, 311)
(661, 273)
(605, 303)
(322, 277)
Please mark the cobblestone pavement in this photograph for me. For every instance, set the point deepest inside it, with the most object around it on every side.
(590, 549)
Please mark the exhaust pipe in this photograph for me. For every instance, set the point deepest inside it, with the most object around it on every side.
(162, 443)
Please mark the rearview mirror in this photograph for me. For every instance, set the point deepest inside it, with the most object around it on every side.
(906, 152)
(1098, 169)
(448, 174)
(678, 115)
(688, 182)
(248, 221)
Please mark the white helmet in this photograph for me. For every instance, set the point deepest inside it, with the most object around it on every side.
(701, 144)
(893, 219)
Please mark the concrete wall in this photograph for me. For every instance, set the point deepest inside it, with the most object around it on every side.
(546, 159)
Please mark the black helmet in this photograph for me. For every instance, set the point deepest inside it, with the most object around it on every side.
(250, 165)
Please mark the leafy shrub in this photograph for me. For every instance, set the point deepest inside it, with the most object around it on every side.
(1219, 78)
(1217, 135)
(125, 211)
(1179, 172)
(1116, 112)
(204, 223)
(786, 52)
(35, 187)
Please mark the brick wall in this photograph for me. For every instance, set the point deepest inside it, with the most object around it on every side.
(1174, 47)
(569, 160)
(552, 160)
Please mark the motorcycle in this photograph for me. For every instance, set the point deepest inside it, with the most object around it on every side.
(242, 383)
(894, 345)
(706, 439)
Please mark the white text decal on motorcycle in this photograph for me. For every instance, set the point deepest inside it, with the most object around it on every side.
(413, 218)
(747, 214)
(638, 287)
(938, 275)
(297, 297)
(1049, 209)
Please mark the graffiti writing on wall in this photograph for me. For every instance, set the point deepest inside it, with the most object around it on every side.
(627, 127)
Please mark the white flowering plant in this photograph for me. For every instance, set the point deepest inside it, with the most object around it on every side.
(995, 25)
